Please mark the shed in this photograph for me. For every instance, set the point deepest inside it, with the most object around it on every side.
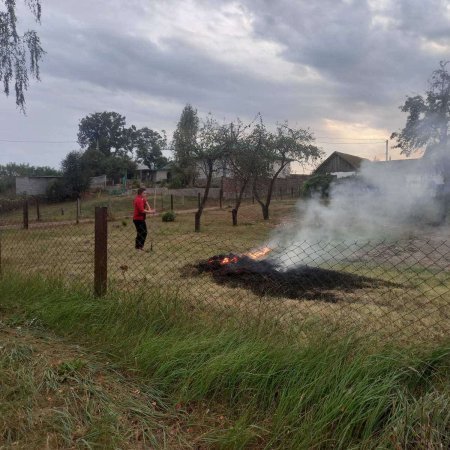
(34, 185)
(339, 162)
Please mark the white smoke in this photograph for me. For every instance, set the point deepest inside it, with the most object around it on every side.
(385, 200)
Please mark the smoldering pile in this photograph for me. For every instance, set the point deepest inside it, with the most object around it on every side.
(265, 278)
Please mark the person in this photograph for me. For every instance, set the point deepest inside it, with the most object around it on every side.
(141, 208)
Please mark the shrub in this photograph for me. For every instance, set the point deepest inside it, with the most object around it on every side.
(168, 216)
(317, 184)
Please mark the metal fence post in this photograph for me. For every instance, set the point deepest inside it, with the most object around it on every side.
(101, 251)
(78, 211)
(171, 202)
(25, 214)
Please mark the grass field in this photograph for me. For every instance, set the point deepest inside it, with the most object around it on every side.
(408, 298)
(121, 373)
(119, 206)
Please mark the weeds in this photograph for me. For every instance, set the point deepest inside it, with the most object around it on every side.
(318, 392)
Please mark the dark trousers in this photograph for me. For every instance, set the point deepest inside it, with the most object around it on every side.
(141, 232)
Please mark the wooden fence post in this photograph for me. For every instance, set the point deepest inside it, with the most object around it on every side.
(38, 212)
(25, 214)
(78, 211)
(221, 198)
(171, 202)
(101, 251)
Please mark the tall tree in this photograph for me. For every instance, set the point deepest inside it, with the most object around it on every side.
(149, 145)
(105, 131)
(19, 54)
(427, 123)
(75, 174)
(275, 152)
(184, 144)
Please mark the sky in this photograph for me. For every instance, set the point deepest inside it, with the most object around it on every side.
(341, 68)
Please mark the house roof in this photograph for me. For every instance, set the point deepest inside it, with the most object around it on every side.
(354, 161)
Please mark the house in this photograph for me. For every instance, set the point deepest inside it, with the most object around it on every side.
(36, 185)
(340, 164)
(163, 174)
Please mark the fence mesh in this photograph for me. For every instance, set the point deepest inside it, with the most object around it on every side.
(396, 288)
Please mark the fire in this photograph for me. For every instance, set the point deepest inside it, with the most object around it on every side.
(257, 254)
(228, 260)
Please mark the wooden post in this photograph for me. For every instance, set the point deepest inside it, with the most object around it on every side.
(25, 214)
(78, 211)
(1, 269)
(292, 192)
(162, 201)
(281, 194)
(171, 202)
(197, 221)
(38, 212)
(101, 251)
(221, 198)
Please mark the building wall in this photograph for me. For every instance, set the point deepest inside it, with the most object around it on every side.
(33, 185)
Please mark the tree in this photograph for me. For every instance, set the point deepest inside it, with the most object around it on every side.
(427, 126)
(105, 131)
(149, 145)
(427, 123)
(275, 152)
(242, 160)
(212, 144)
(75, 175)
(19, 55)
(184, 144)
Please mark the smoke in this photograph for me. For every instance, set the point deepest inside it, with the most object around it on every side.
(383, 201)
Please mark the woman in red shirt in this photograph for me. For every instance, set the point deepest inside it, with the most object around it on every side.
(141, 208)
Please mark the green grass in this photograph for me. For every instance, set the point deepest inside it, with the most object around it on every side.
(274, 392)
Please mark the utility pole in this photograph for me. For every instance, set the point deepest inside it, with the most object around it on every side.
(387, 149)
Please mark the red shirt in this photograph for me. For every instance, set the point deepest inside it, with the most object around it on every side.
(139, 206)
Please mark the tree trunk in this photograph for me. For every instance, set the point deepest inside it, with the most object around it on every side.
(198, 214)
(234, 216)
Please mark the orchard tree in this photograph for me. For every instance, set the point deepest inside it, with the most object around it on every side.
(19, 54)
(105, 131)
(275, 151)
(184, 144)
(213, 143)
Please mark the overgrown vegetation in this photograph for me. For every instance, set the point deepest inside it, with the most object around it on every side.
(273, 392)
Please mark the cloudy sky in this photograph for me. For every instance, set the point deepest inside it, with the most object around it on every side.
(339, 67)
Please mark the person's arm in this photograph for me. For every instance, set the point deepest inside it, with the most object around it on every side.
(148, 209)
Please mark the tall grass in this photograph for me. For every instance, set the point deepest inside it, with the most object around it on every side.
(318, 393)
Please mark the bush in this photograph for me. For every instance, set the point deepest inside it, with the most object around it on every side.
(57, 191)
(168, 216)
(318, 184)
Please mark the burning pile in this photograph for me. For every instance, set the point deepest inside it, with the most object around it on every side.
(262, 276)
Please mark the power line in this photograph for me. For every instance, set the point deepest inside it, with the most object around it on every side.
(351, 143)
(38, 142)
(349, 139)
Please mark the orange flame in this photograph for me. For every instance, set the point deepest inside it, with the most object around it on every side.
(228, 260)
(257, 254)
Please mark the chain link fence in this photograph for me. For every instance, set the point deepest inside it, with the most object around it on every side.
(398, 289)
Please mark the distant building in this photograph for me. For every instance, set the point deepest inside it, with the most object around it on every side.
(154, 175)
(340, 164)
(34, 185)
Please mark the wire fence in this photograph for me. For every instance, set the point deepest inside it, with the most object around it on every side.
(398, 289)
